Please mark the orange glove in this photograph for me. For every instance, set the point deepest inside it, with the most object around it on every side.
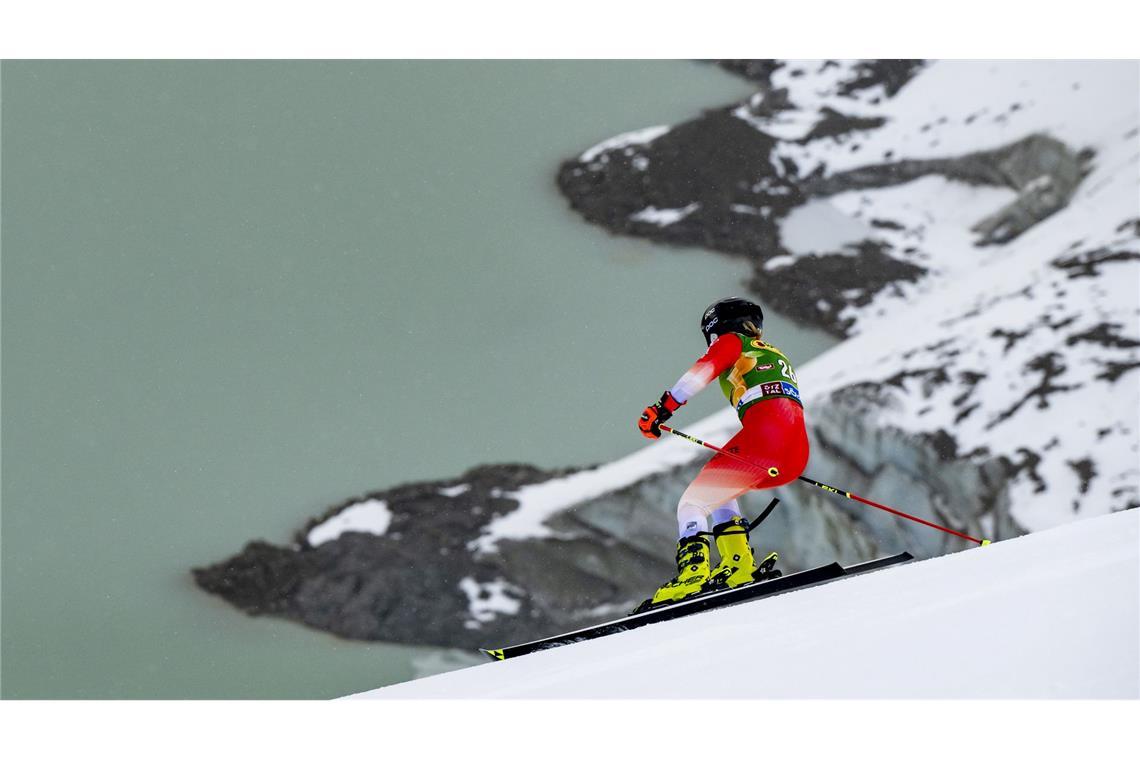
(653, 416)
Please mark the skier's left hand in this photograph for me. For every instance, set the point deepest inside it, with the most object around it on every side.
(653, 416)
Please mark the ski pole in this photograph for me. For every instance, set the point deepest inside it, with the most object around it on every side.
(825, 487)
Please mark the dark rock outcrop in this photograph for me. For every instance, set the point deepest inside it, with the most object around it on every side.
(407, 585)
(709, 165)
(357, 585)
(758, 70)
(814, 287)
(1042, 170)
(891, 73)
(728, 186)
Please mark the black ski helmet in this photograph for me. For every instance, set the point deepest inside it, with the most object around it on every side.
(729, 315)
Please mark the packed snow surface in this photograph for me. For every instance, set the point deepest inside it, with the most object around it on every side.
(1053, 614)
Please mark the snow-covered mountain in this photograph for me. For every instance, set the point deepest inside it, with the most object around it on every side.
(988, 214)
(972, 228)
(1055, 614)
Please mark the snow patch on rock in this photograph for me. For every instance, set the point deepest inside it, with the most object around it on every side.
(370, 516)
(636, 137)
(663, 216)
(486, 601)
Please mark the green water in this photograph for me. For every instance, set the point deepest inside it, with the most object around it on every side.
(234, 293)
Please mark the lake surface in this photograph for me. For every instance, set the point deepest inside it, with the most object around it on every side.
(235, 293)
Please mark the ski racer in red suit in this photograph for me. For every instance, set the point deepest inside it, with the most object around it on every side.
(760, 383)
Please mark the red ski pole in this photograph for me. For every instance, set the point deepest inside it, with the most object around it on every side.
(829, 489)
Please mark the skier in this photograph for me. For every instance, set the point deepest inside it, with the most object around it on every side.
(761, 385)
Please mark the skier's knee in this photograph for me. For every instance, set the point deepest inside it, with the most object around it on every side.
(694, 509)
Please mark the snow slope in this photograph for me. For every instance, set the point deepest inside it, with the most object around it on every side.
(957, 106)
(1052, 614)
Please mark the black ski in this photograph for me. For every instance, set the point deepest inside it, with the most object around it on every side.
(700, 603)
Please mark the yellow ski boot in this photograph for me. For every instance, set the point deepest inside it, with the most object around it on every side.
(736, 562)
(692, 571)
